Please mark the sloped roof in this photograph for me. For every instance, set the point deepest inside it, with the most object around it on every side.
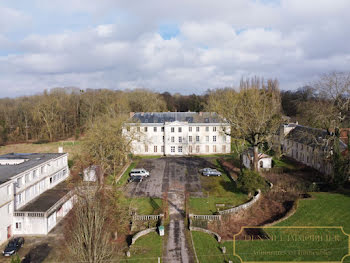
(311, 136)
(190, 117)
(32, 160)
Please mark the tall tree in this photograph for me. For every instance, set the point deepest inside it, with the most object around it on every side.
(254, 112)
(105, 145)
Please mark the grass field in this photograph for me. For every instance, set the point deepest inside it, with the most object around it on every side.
(217, 190)
(71, 147)
(324, 209)
(284, 163)
(122, 181)
(146, 205)
(209, 250)
(146, 249)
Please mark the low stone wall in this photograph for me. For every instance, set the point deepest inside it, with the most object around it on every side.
(142, 233)
(126, 166)
(243, 206)
(216, 235)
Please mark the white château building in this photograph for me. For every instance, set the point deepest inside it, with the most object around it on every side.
(33, 194)
(178, 133)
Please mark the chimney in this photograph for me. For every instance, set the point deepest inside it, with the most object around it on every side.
(142, 113)
(132, 114)
(297, 123)
(200, 113)
(60, 149)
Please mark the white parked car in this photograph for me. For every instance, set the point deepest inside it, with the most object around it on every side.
(205, 170)
(139, 172)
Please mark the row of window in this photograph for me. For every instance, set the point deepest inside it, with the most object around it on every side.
(190, 149)
(190, 139)
(172, 129)
(58, 176)
(28, 177)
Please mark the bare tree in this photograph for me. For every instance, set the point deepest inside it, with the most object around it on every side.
(254, 112)
(332, 109)
(88, 230)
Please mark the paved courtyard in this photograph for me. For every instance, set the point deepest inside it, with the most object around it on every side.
(169, 174)
(175, 176)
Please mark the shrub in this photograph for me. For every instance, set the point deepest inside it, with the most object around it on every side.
(249, 182)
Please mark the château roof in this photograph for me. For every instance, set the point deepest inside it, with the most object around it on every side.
(190, 117)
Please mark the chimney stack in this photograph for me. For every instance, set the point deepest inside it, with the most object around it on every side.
(132, 114)
(200, 113)
(60, 149)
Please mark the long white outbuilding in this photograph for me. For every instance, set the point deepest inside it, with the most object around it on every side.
(33, 194)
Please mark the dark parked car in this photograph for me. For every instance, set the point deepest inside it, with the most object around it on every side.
(135, 178)
(13, 246)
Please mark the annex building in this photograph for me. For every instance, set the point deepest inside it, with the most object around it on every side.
(33, 194)
(307, 145)
(178, 133)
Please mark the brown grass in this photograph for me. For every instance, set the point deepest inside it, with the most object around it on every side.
(71, 147)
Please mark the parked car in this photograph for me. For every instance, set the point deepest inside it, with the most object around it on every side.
(212, 172)
(140, 172)
(205, 170)
(135, 178)
(13, 246)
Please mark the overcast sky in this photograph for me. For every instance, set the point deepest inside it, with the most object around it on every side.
(165, 45)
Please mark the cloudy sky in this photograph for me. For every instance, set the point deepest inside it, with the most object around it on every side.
(177, 46)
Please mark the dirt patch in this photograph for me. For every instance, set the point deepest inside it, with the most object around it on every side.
(230, 168)
(271, 207)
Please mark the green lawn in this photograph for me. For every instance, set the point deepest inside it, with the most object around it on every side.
(217, 190)
(148, 156)
(146, 249)
(125, 175)
(284, 163)
(324, 209)
(146, 205)
(209, 250)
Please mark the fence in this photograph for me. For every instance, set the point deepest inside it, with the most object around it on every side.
(243, 206)
(147, 217)
(205, 217)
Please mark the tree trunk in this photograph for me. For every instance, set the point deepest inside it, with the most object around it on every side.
(255, 158)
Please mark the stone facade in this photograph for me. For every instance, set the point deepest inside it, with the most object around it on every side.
(178, 133)
(306, 145)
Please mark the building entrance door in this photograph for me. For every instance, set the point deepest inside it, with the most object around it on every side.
(9, 232)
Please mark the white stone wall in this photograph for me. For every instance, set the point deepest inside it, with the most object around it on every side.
(179, 138)
(33, 182)
(30, 225)
(266, 162)
(6, 212)
(25, 187)
(307, 155)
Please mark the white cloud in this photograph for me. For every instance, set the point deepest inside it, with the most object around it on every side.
(218, 42)
(12, 19)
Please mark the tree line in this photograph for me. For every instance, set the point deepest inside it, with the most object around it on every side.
(66, 112)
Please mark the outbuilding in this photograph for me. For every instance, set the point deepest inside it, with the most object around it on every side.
(264, 163)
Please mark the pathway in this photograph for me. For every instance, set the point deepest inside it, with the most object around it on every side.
(176, 250)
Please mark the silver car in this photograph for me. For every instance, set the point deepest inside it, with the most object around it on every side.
(212, 172)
